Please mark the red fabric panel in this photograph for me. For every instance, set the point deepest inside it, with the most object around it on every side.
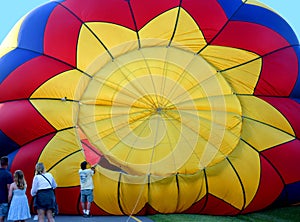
(217, 206)
(204, 13)
(285, 158)
(251, 37)
(289, 108)
(92, 155)
(95, 209)
(22, 123)
(269, 189)
(71, 204)
(149, 209)
(144, 11)
(112, 11)
(61, 33)
(24, 80)
(278, 76)
(197, 207)
(27, 157)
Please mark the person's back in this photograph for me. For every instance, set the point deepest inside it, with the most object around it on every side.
(5, 181)
(86, 180)
(86, 187)
(42, 190)
(18, 193)
(19, 207)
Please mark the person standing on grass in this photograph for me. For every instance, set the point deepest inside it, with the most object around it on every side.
(86, 188)
(5, 180)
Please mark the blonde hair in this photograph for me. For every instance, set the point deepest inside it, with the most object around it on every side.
(20, 179)
(39, 168)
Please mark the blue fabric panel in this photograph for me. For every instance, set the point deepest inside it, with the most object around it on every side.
(230, 7)
(266, 18)
(294, 192)
(31, 35)
(7, 145)
(11, 157)
(13, 60)
(296, 91)
(289, 195)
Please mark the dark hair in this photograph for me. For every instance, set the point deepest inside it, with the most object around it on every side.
(4, 161)
(83, 165)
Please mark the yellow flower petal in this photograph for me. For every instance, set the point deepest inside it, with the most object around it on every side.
(62, 157)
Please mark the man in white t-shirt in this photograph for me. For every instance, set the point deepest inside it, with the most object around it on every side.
(86, 188)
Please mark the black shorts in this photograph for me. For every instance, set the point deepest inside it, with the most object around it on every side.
(44, 199)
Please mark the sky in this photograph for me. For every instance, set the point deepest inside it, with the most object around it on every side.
(12, 10)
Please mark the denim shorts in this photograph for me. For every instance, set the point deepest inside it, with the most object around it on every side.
(87, 196)
(3, 209)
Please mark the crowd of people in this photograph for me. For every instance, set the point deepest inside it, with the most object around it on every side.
(13, 200)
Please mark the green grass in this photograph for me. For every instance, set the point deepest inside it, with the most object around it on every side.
(286, 214)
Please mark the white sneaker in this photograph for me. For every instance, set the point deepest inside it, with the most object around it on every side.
(36, 217)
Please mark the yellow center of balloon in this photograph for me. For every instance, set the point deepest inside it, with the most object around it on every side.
(160, 110)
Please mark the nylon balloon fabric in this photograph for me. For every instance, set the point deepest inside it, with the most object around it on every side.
(186, 106)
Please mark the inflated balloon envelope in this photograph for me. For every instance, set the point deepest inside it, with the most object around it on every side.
(186, 106)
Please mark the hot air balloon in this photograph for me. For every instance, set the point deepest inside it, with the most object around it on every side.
(184, 106)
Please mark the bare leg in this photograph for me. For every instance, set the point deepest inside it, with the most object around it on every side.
(88, 206)
(83, 207)
(50, 216)
(41, 215)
